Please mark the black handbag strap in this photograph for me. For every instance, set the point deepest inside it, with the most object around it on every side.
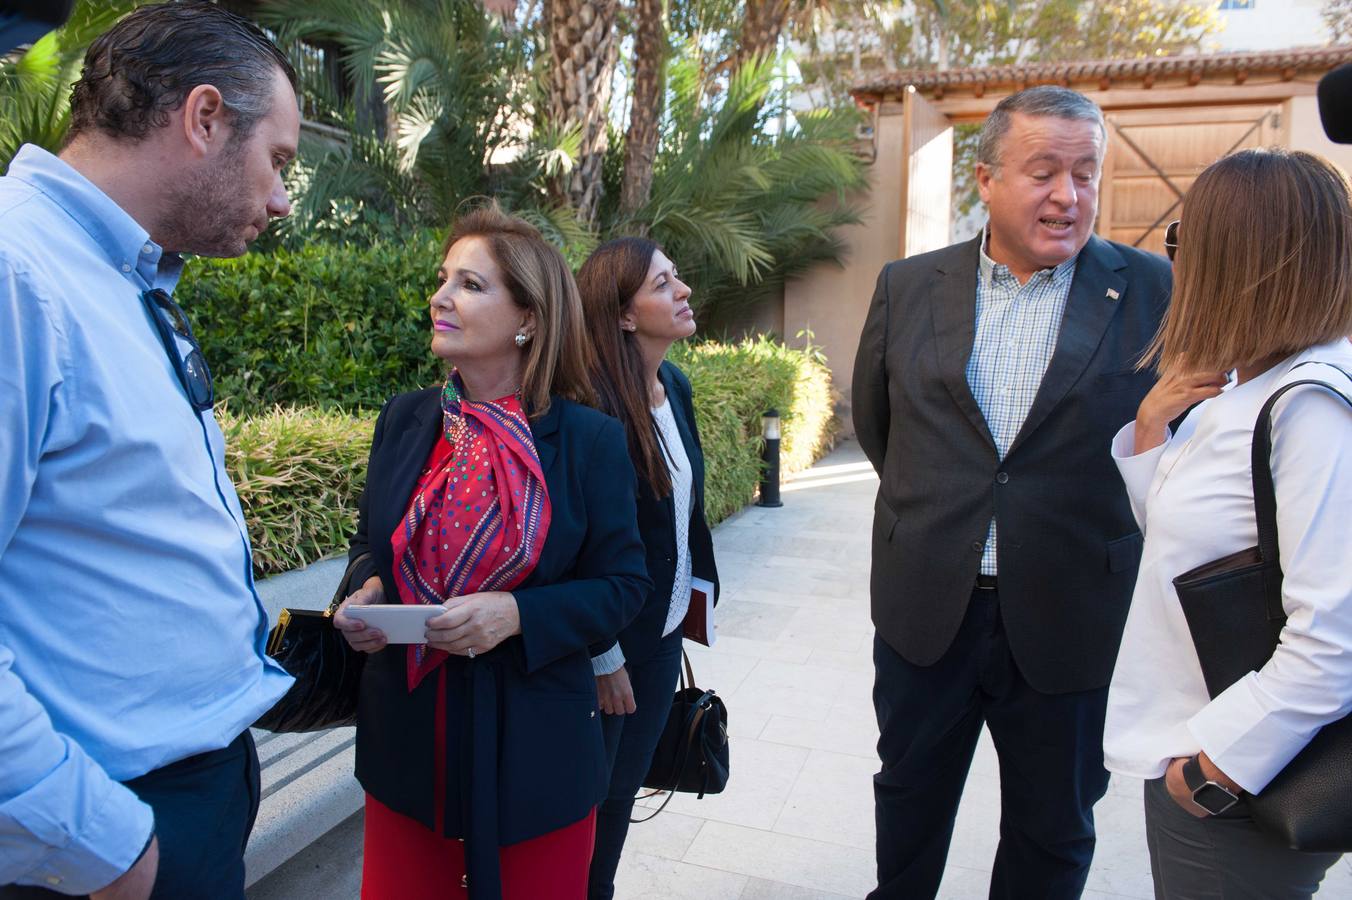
(1264, 495)
(693, 721)
(344, 585)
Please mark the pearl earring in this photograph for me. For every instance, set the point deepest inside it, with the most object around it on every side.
(520, 339)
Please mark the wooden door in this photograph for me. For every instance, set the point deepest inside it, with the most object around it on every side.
(1155, 155)
(927, 185)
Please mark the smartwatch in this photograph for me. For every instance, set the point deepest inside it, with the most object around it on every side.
(1212, 796)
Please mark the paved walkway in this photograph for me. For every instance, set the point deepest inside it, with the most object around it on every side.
(793, 663)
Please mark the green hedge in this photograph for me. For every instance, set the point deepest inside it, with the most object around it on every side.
(299, 472)
(327, 325)
(734, 384)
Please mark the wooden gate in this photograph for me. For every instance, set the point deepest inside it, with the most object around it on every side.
(1155, 155)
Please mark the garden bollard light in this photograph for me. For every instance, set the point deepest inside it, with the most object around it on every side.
(769, 486)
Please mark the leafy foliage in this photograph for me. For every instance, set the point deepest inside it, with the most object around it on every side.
(734, 384)
(299, 472)
(299, 475)
(324, 325)
(35, 84)
(741, 209)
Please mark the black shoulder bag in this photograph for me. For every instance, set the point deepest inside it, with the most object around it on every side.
(326, 668)
(1234, 610)
(692, 753)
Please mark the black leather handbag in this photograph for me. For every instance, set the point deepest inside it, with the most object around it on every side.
(326, 668)
(1233, 606)
(692, 753)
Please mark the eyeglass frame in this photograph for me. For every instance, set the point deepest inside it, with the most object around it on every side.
(1171, 238)
(170, 320)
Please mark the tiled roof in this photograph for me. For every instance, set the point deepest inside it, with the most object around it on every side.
(1287, 63)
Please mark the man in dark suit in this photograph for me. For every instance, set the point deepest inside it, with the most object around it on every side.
(990, 379)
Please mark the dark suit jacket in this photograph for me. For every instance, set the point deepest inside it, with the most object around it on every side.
(524, 742)
(1068, 545)
(657, 525)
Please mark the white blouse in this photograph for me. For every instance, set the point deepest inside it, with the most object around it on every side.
(1193, 498)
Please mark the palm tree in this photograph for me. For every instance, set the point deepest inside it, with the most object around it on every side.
(645, 108)
(35, 85)
(582, 53)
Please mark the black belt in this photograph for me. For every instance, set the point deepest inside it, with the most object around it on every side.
(985, 582)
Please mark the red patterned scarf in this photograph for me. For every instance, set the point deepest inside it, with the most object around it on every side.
(479, 514)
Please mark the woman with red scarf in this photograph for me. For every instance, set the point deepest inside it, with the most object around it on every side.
(501, 498)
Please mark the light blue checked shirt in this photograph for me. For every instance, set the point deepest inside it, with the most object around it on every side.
(1016, 331)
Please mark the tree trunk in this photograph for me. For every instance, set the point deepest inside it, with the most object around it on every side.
(645, 111)
(760, 31)
(581, 46)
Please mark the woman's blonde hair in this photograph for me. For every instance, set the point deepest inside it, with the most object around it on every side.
(538, 278)
(1264, 262)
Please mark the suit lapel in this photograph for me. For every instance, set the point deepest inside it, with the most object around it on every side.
(413, 444)
(545, 432)
(953, 305)
(1096, 292)
(675, 401)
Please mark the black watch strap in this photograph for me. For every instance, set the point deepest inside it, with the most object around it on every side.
(1211, 796)
(1193, 776)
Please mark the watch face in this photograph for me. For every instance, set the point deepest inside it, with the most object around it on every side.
(1213, 798)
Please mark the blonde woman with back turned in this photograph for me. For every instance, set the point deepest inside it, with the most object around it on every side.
(1263, 288)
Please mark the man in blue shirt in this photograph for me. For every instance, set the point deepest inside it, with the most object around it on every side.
(131, 637)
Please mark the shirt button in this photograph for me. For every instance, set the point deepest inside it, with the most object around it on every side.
(148, 249)
(126, 267)
(1002, 478)
(53, 879)
(978, 546)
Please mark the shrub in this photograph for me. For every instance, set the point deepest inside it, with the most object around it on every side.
(734, 384)
(325, 325)
(299, 474)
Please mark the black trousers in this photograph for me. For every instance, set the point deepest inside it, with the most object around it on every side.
(205, 807)
(1050, 748)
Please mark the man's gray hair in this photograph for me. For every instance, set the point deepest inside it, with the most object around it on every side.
(1043, 100)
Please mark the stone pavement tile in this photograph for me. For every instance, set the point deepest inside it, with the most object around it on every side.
(718, 671)
(855, 660)
(832, 801)
(761, 779)
(961, 883)
(780, 857)
(644, 877)
(329, 867)
(826, 630)
(790, 689)
(1121, 857)
(741, 617)
(738, 646)
(668, 836)
(1338, 881)
(842, 731)
(760, 889)
(783, 598)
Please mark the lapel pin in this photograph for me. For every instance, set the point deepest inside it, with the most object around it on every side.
(1112, 294)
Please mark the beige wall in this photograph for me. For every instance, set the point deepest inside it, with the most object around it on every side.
(832, 301)
(1305, 133)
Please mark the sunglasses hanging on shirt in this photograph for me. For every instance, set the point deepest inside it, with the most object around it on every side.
(190, 367)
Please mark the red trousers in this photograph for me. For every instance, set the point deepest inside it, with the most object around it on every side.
(405, 861)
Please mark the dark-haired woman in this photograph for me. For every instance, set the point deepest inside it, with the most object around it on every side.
(499, 498)
(636, 308)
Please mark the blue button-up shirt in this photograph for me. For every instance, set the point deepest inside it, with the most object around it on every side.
(130, 632)
(1017, 326)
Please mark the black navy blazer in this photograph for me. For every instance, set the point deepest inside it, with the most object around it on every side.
(657, 525)
(524, 749)
(1068, 544)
